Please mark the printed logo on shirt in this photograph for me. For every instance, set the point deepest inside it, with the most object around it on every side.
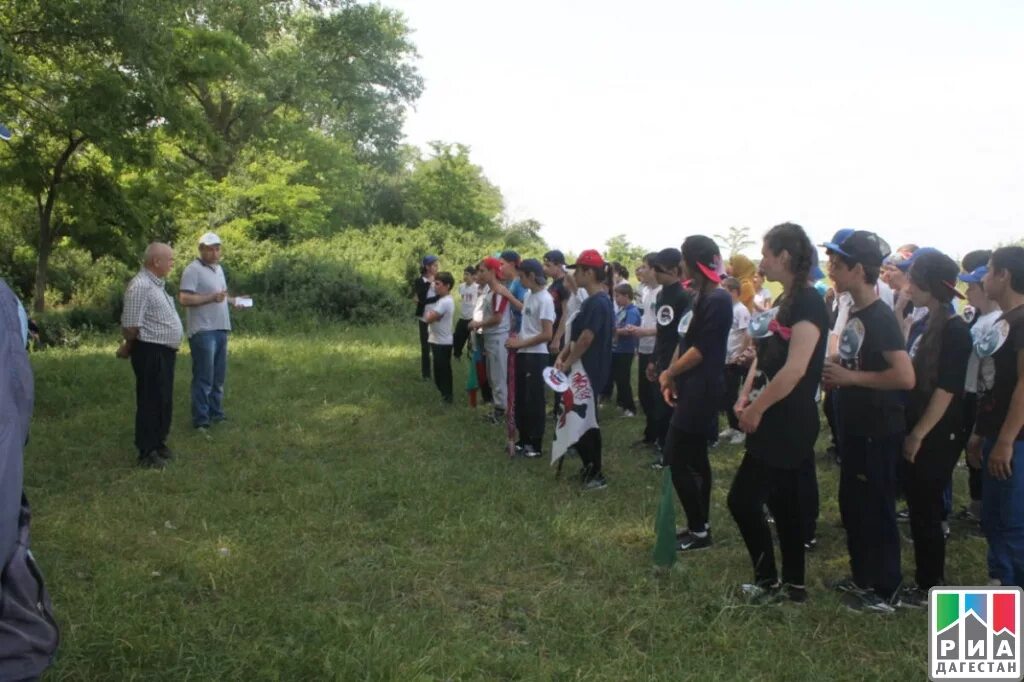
(665, 315)
(760, 324)
(974, 633)
(851, 340)
(684, 323)
(987, 342)
(970, 312)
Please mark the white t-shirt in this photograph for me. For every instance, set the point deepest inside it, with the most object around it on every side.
(760, 297)
(738, 332)
(440, 331)
(984, 323)
(493, 303)
(649, 318)
(572, 309)
(468, 292)
(537, 307)
(885, 293)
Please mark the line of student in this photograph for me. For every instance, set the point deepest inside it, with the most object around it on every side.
(908, 385)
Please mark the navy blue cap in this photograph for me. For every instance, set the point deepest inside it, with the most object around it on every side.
(510, 256)
(555, 256)
(532, 266)
(974, 276)
(429, 260)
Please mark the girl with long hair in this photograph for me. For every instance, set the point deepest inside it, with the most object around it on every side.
(777, 408)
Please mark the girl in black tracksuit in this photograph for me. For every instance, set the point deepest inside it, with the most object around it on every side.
(694, 383)
(778, 411)
(935, 415)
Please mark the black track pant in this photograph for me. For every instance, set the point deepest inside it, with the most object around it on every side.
(687, 454)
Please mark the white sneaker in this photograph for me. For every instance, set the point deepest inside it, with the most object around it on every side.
(737, 438)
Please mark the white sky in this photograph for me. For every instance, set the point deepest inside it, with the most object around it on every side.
(659, 119)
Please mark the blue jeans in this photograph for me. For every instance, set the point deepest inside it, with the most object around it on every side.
(209, 368)
(1002, 518)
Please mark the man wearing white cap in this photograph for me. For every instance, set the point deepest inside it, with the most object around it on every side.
(204, 293)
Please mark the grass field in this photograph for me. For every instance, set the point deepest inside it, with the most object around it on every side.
(345, 525)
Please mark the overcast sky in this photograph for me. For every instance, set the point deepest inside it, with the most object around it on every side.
(660, 119)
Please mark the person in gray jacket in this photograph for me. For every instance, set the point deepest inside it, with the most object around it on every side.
(28, 632)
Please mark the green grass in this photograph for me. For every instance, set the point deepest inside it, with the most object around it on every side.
(344, 525)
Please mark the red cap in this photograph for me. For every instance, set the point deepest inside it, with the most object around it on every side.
(492, 264)
(590, 258)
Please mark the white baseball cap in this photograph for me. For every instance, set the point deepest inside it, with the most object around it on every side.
(209, 239)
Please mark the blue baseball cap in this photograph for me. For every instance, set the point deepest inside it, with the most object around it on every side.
(974, 276)
(555, 256)
(533, 266)
(837, 240)
(429, 260)
(905, 263)
(815, 274)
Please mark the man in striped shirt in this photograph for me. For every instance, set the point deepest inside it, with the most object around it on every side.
(152, 333)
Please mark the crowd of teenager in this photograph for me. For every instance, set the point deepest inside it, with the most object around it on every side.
(915, 359)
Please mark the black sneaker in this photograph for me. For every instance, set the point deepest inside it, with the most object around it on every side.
(844, 585)
(912, 597)
(869, 602)
(797, 595)
(530, 453)
(761, 594)
(152, 461)
(903, 515)
(965, 514)
(598, 482)
(164, 452)
(657, 465)
(811, 544)
(693, 543)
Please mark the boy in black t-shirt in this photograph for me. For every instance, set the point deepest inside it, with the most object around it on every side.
(998, 440)
(870, 370)
(671, 306)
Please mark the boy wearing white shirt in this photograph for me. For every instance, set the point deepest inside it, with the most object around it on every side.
(467, 296)
(735, 369)
(531, 347)
(438, 316)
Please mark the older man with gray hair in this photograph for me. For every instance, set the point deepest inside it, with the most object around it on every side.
(152, 333)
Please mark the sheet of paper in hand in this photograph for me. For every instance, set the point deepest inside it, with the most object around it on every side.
(577, 412)
(243, 302)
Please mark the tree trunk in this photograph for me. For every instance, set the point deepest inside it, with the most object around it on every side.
(43, 250)
(48, 235)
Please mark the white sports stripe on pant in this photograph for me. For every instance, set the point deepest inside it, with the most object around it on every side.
(497, 367)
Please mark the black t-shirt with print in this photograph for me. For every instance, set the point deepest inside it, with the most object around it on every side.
(670, 305)
(954, 351)
(701, 390)
(789, 428)
(998, 376)
(867, 411)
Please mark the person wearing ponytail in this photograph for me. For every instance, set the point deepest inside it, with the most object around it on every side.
(694, 386)
(778, 411)
(934, 415)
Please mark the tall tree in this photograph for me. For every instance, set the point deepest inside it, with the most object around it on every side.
(618, 248)
(737, 239)
(76, 77)
(449, 188)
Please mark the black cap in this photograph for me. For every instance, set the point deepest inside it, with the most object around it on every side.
(555, 256)
(863, 247)
(667, 259)
(703, 252)
(510, 256)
